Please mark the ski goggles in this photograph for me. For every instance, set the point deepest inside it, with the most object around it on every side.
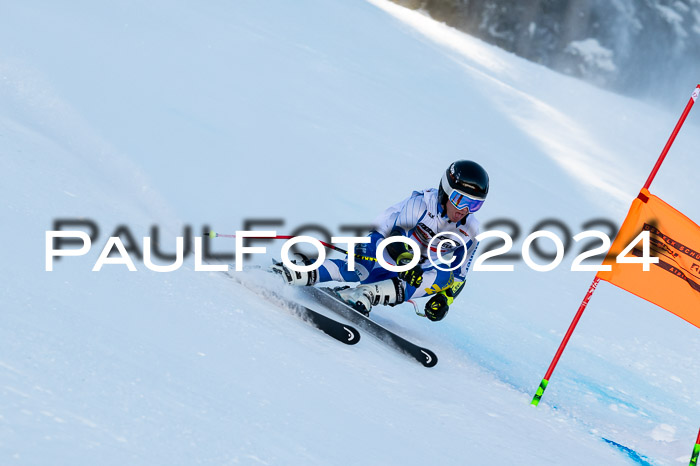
(462, 201)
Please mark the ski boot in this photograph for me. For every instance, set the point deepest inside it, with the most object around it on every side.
(294, 278)
(363, 297)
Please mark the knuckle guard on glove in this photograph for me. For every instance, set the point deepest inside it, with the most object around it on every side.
(413, 277)
(436, 308)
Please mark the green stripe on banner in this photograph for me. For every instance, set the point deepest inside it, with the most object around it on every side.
(540, 392)
(694, 458)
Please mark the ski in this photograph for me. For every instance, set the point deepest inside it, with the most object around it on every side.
(329, 299)
(331, 327)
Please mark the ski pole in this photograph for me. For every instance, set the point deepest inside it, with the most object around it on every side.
(213, 234)
(415, 307)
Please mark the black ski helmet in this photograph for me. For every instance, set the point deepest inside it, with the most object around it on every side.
(466, 177)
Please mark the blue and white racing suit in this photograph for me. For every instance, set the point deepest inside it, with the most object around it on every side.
(421, 218)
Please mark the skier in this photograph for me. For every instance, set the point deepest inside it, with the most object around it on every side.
(432, 214)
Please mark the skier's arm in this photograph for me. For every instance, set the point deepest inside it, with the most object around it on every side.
(411, 213)
(402, 254)
(402, 217)
(470, 252)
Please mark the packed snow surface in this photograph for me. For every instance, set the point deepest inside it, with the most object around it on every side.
(218, 114)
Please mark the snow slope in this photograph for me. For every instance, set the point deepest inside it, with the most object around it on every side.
(168, 113)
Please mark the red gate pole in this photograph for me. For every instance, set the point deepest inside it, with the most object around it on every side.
(564, 342)
(672, 138)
